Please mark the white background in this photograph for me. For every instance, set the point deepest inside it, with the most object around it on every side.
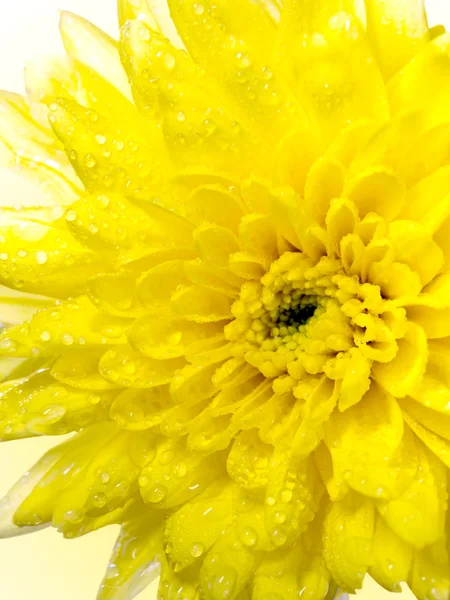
(44, 566)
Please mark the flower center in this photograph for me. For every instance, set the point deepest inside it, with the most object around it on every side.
(306, 318)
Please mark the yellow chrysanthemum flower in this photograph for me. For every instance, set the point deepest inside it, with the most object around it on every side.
(242, 275)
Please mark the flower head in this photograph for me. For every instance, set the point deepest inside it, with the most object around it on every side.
(236, 291)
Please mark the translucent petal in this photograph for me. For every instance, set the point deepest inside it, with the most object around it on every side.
(32, 501)
(92, 46)
(16, 306)
(65, 77)
(397, 29)
(131, 10)
(135, 561)
(329, 63)
(35, 151)
(19, 492)
(107, 483)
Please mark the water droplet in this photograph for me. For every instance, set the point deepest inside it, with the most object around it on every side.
(197, 549)
(74, 516)
(90, 161)
(105, 477)
(243, 60)
(156, 494)
(278, 536)
(180, 469)
(169, 61)
(249, 537)
(41, 257)
(67, 339)
(144, 480)
(99, 500)
(100, 139)
(199, 9)
(223, 583)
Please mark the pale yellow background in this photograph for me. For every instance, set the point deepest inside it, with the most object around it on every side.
(44, 566)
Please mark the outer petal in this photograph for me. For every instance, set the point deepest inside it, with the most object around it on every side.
(397, 28)
(92, 46)
(136, 558)
(330, 65)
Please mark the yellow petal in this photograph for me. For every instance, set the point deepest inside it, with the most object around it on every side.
(125, 367)
(423, 83)
(80, 369)
(291, 498)
(35, 151)
(242, 36)
(392, 558)
(160, 479)
(324, 182)
(415, 247)
(430, 574)
(160, 336)
(137, 551)
(329, 63)
(106, 157)
(348, 535)
(367, 448)
(201, 305)
(16, 306)
(92, 46)
(397, 29)
(406, 370)
(377, 190)
(417, 516)
(196, 526)
(215, 244)
(227, 569)
(73, 323)
(170, 88)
